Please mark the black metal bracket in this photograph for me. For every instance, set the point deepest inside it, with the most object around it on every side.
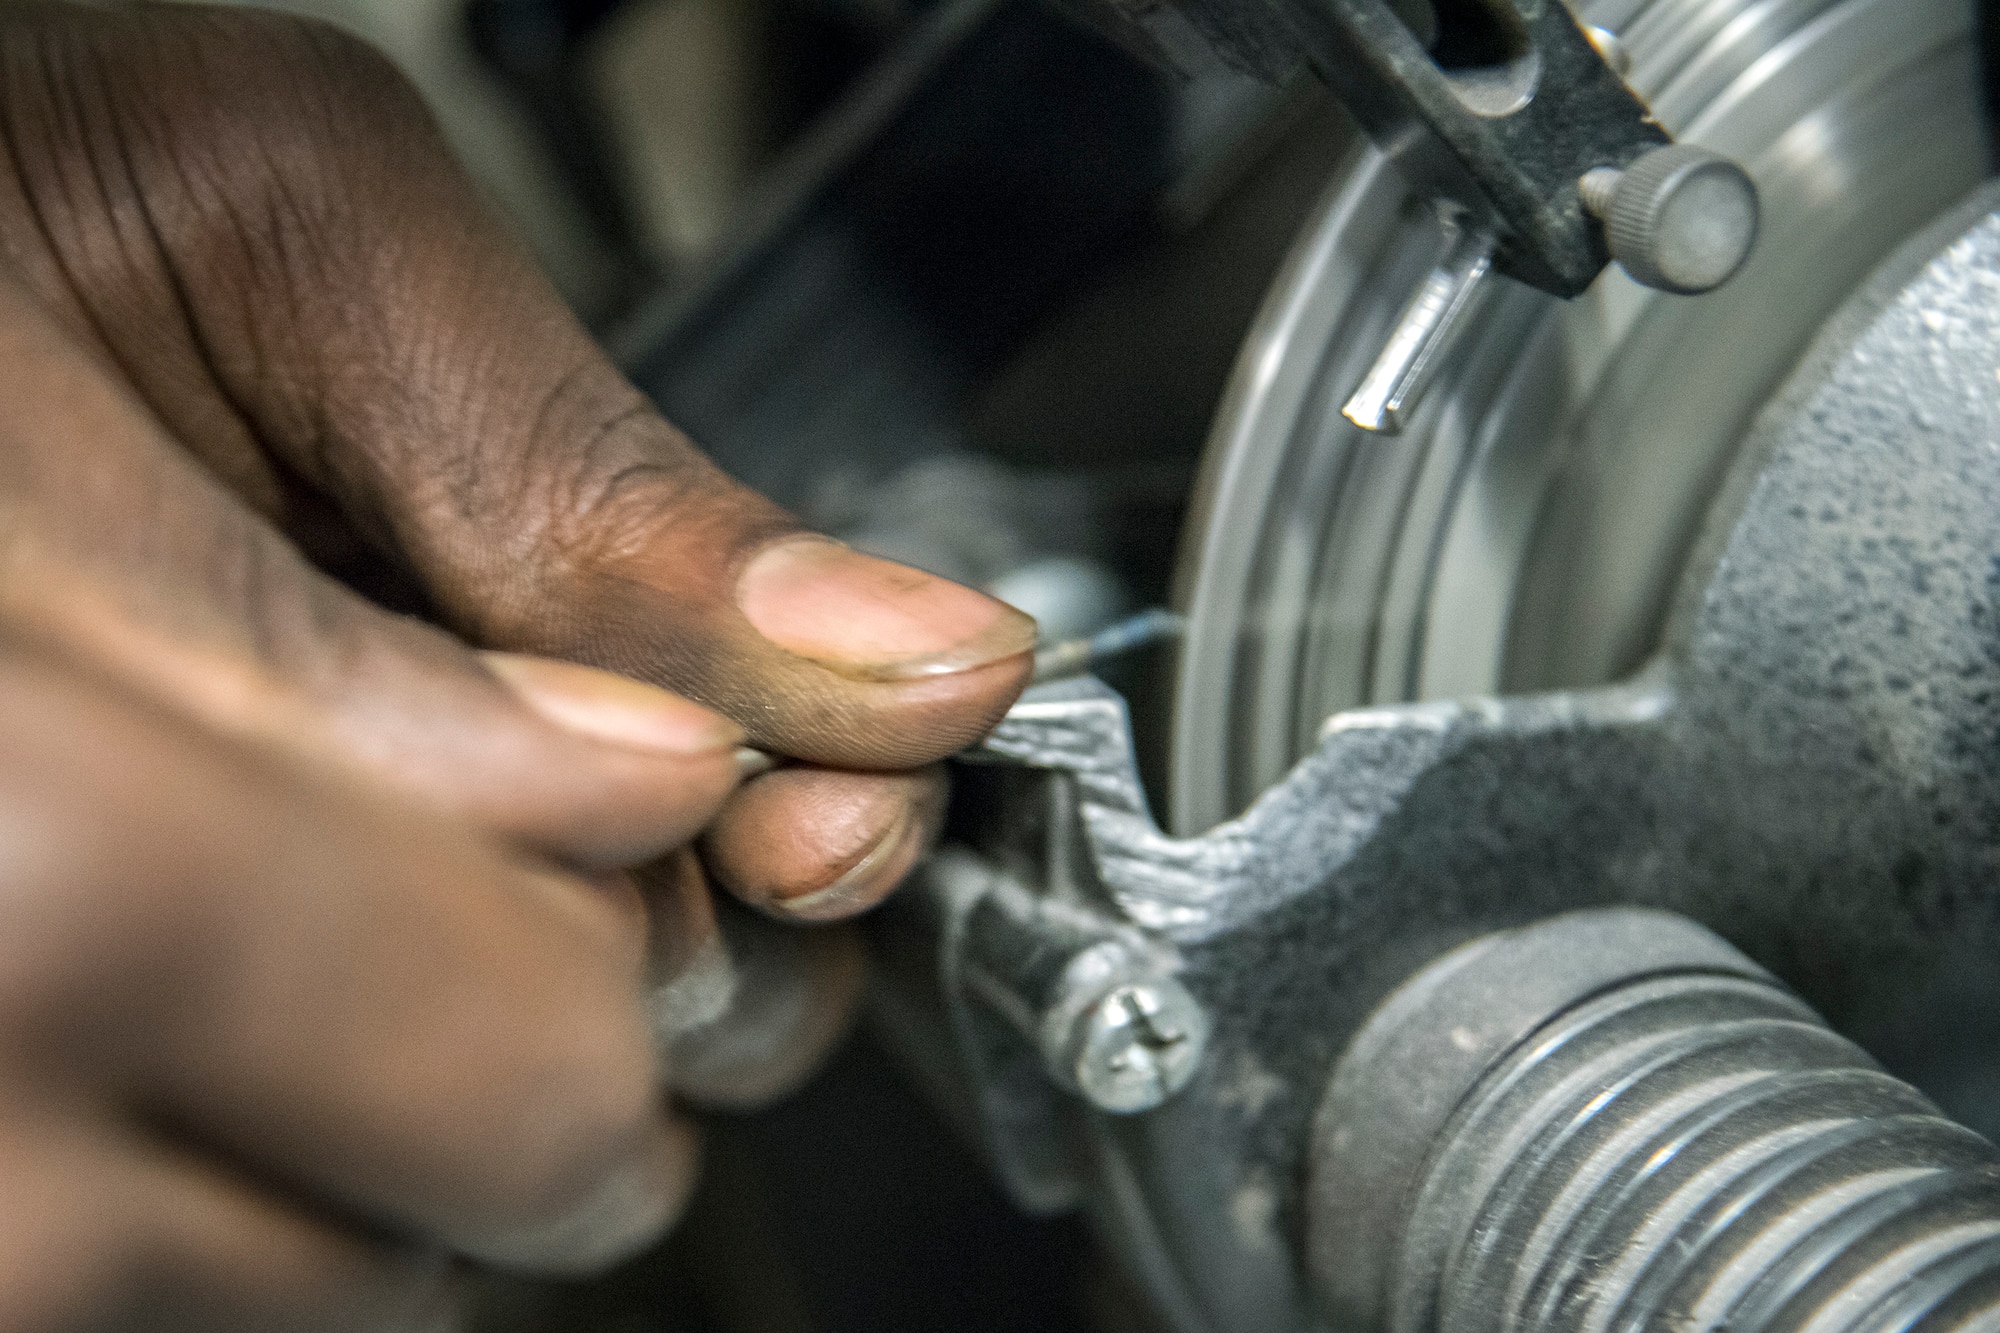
(1499, 106)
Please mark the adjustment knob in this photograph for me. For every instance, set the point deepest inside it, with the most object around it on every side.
(1680, 218)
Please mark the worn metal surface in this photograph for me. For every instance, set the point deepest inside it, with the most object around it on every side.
(1811, 768)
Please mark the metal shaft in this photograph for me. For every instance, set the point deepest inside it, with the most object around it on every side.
(1425, 333)
(1700, 1152)
(1685, 1148)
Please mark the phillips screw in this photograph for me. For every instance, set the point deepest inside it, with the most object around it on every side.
(1137, 1045)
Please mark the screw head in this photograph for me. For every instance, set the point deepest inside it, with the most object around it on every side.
(1680, 218)
(1138, 1045)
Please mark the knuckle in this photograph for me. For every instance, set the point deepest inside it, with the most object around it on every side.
(609, 474)
(616, 478)
(310, 109)
(259, 147)
(258, 60)
(253, 71)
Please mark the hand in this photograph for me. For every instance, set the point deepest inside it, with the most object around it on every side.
(252, 294)
(259, 348)
(271, 1041)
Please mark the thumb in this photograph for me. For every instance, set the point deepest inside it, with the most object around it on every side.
(320, 279)
(818, 651)
(119, 545)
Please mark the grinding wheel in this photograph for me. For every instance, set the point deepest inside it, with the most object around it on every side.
(1529, 528)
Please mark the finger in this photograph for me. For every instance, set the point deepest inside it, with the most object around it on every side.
(103, 1226)
(689, 976)
(797, 996)
(351, 310)
(744, 1009)
(123, 547)
(810, 844)
(341, 991)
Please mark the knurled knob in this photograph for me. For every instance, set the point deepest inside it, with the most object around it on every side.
(1680, 218)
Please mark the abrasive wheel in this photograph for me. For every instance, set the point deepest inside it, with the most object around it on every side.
(1529, 528)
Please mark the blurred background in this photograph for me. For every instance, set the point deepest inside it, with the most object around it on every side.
(960, 281)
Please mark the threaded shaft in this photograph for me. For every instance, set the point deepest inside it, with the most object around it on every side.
(1599, 188)
(1699, 1152)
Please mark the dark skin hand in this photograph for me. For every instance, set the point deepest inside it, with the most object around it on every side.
(272, 1040)
(260, 348)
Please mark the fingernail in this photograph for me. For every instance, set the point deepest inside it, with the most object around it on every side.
(864, 884)
(613, 708)
(874, 619)
(753, 763)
